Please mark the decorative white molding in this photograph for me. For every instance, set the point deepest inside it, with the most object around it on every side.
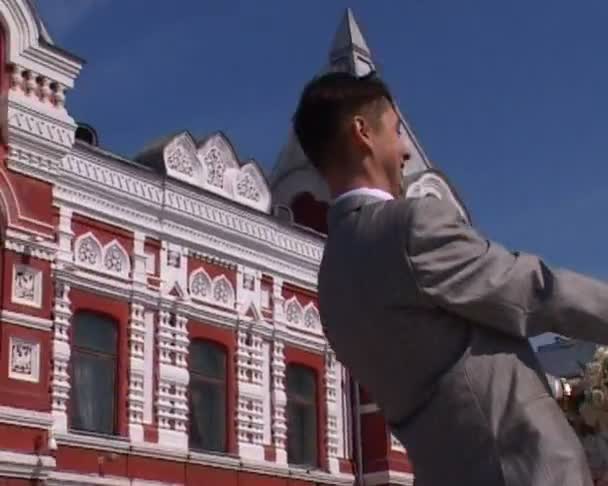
(26, 466)
(200, 285)
(112, 259)
(171, 399)
(149, 365)
(312, 320)
(24, 360)
(388, 477)
(86, 180)
(88, 251)
(250, 397)
(137, 365)
(181, 160)
(223, 292)
(28, 244)
(25, 418)
(116, 259)
(331, 426)
(25, 320)
(60, 382)
(27, 286)
(279, 401)
(158, 451)
(294, 314)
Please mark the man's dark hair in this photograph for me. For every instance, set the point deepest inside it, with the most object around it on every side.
(327, 103)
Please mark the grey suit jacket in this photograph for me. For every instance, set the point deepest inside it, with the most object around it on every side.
(433, 320)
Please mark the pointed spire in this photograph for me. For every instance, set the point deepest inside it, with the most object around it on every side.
(349, 50)
(349, 36)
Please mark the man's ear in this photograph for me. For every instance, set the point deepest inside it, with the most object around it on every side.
(360, 131)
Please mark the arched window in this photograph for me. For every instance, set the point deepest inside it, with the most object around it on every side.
(301, 416)
(207, 396)
(94, 367)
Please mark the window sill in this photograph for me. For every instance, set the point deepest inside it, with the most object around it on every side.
(112, 443)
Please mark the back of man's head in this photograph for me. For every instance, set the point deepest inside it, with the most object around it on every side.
(327, 106)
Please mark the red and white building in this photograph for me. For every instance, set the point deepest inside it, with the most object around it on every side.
(158, 316)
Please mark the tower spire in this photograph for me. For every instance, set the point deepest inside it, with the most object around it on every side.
(349, 51)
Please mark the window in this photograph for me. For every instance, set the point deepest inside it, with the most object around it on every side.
(301, 415)
(93, 397)
(207, 396)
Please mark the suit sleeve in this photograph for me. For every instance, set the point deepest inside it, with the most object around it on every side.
(480, 280)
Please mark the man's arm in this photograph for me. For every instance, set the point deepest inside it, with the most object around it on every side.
(480, 280)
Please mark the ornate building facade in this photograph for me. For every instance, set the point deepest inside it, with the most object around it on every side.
(158, 316)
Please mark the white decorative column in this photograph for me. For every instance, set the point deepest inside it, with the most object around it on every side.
(60, 381)
(65, 235)
(139, 261)
(137, 365)
(171, 400)
(331, 426)
(250, 401)
(279, 402)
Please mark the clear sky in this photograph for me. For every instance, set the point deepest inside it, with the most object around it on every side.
(509, 98)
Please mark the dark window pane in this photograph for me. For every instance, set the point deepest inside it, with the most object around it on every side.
(95, 332)
(208, 359)
(301, 383)
(207, 396)
(301, 416)
(208, 416)
(92, 397)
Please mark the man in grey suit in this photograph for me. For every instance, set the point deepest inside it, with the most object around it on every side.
(431, 317)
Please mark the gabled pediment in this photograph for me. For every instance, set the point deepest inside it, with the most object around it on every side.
(210, 164)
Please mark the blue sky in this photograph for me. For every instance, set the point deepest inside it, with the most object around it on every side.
(509, 98)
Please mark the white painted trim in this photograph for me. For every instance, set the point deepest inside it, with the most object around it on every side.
(28, 466)
(25, 320)
(25, 418)
(369, 408)
(388, 477)
(58, 478)
(92, 442)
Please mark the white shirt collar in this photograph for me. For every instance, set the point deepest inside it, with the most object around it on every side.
(364, 191)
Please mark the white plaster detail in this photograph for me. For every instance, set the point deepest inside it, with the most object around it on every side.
(88, 251)
(137, 366)
(266, 385)
(181, 161)
(294, 312)
(331, 425)
(200, 285)
(279, 402)
(27, 286)
(312, 321)
(116, 259)
(26, 466)
(251, 188)
(223, 292)
(250, 399)
(24, 360)
(60, 381)
(22, 417)
(148, 413)
(171, 398)
(217, 156)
